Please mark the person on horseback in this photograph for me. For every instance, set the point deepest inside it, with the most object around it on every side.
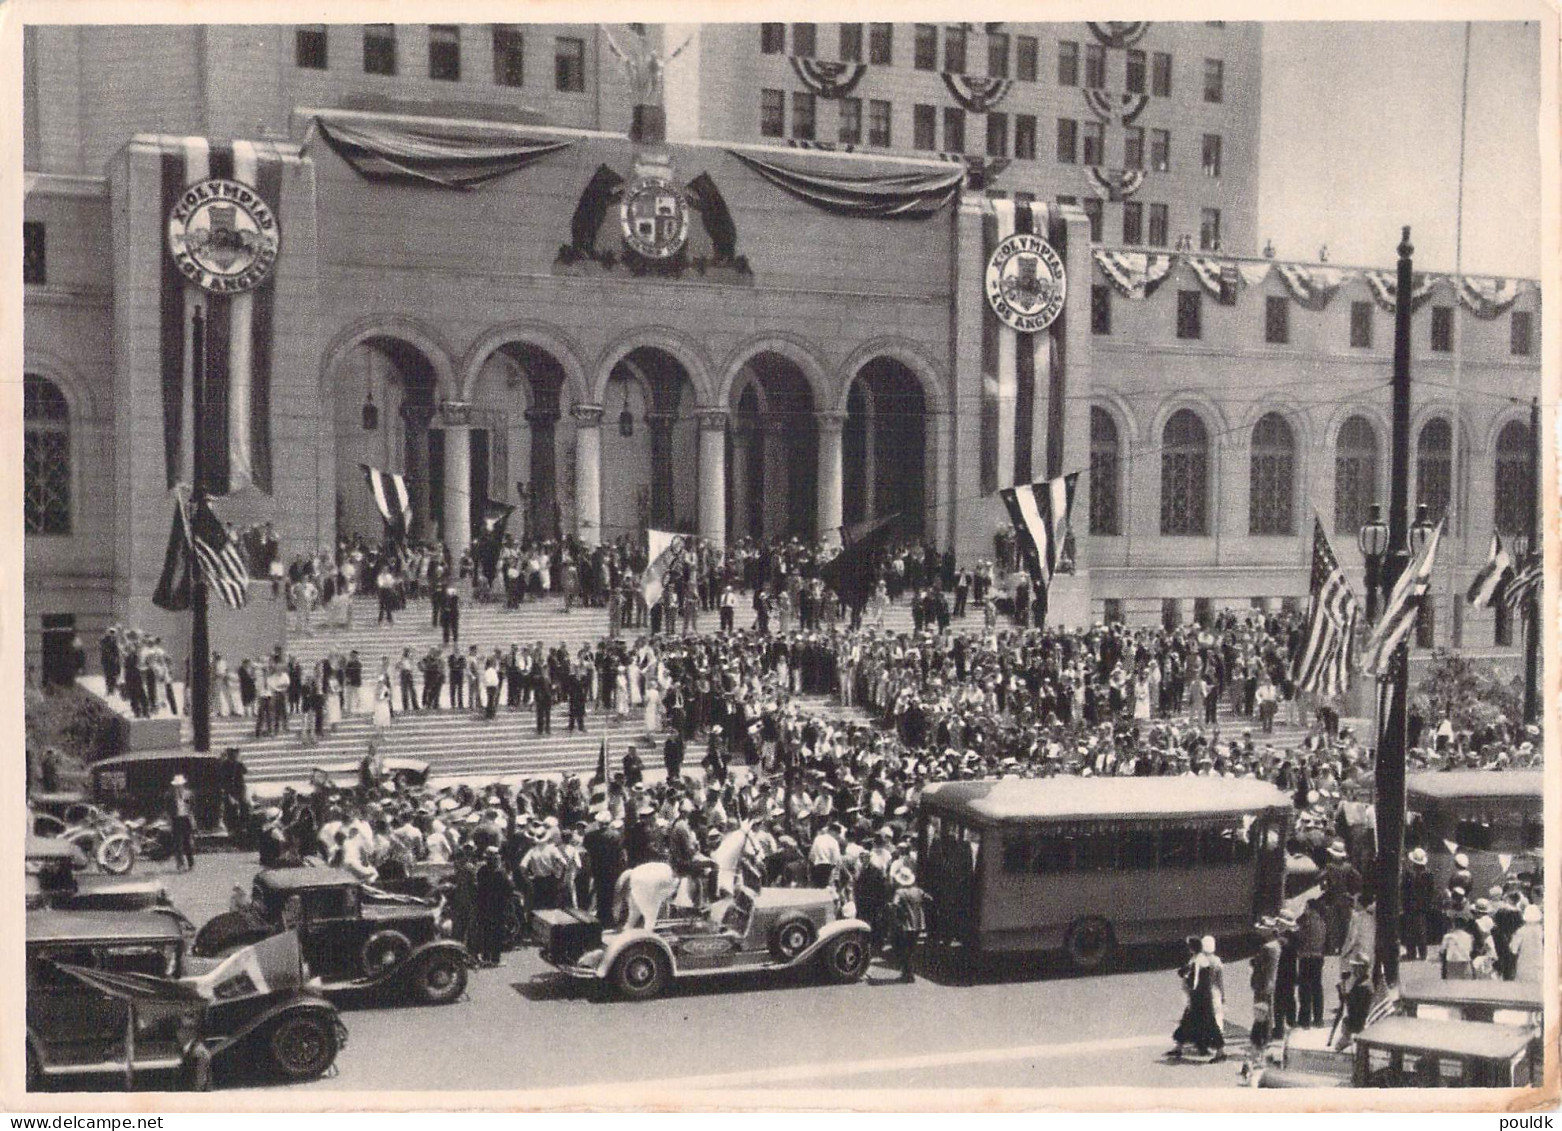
(688, 862)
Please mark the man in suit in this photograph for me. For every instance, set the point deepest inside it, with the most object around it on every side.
(456, 663)
(605, 853)
(576, 683)
(542, 698)
(672, 756)
(452, 617)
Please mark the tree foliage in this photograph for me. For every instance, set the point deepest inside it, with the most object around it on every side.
(1470, 693)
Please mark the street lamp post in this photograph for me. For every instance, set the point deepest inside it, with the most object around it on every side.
(1533, 605)
(198, 694)
(1372, 539)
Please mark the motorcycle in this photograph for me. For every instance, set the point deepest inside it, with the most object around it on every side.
(153, 840)
(104, 838)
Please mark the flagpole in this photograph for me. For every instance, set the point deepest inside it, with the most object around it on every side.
(1533, 602)
(198, 694)
(1458, 488)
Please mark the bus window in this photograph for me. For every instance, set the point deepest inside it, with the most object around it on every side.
(1473, 833)
(1217, 846)
(1137, 849)
(1052, 853)
(1016, 852)
(1179, 847)
(1534, 834)
(1095, 852)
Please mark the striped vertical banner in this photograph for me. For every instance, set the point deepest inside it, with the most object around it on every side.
(239, 334)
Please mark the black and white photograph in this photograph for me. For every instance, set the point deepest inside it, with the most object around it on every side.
(778, 565)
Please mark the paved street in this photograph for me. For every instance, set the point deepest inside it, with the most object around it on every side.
(1024, 1024)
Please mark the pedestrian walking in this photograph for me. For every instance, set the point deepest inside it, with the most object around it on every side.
(908, 918)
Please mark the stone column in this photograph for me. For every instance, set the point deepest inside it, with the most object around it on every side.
(588, 473)
(458, 488)
(544, 488)
(831, 424)
(742, 436)
(713, 476)
(663, 498)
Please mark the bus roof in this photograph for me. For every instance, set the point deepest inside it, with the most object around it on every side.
(1451, 785)
(1027, 799)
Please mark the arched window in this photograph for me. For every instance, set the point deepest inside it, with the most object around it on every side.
(1271, 477)
(1185, 475)
(1515, 482)
(1434, 467)
(1103, 473)
(1355, 475)
(46, 458)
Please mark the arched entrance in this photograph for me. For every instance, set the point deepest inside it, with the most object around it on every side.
(385, 392)
(773, 453)
(650, 433)
(884, 445)
(517, 403)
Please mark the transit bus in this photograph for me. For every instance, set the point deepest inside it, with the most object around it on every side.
(1493, 817)
(1085, 865)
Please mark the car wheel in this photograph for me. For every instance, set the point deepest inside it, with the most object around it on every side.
(1090, 943)
(116, 855)
(791, 937)
(437, 978)
(641, 972)
(384, 950)
(846, 957)
(301, 1046)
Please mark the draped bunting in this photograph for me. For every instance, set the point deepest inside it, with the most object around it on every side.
(829, 80)
(1115, 109)
(1114, 184)
(897, 196)
(1489, 298)
(601, 191)
(1311, 287)
(449, 156)
(1119, 33)
(1207, 272)
(1253, 273)
(1134, 274)
(977, 95)
(1384, 285)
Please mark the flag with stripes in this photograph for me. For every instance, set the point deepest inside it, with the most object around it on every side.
(219, 556)
(662, 549)
(1323, 664)
(1404, 606)
(1523, 583)
(391, 499)
(1040, 513)
(173, 587)
(1497, 570)
(238, 335)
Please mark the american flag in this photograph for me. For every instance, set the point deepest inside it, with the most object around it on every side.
(1323, 664)
(1404, 606)
(1497, 570)
(1523, 583)
(219, 556)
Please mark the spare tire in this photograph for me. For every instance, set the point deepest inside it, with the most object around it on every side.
(1090, 942)
(791, 936)
(384, 950)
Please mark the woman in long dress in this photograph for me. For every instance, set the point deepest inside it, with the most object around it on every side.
(333, 701)
(653, 707)
(1141, 697)
(382, 705)
(1202, 1024)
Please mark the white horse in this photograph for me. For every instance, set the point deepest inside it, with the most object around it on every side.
(644, 890)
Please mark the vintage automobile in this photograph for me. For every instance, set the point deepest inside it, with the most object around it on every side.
(354, 937)
(768, 929)
(136, 784)
(87, 892)
(109, 992)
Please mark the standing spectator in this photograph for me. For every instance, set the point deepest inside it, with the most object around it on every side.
(908, 918)
(1418, 902)
(354, 677)
(1528, 949)
(1264, 972)
(409, 692)
(542, 698)
(491, 688)
(181, 813)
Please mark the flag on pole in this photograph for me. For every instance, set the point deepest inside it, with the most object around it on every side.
(496, 516)
(1323, 664)
(1404, 606)
(1497, 570)
(851, 573)
(269, 966)
(662, 548)
(219, 557)
(173, 587)
(1040, 513)
(1523, 583)
(390, 498)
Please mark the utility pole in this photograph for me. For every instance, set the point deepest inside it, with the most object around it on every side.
(1390, 773)
(1532, 605)
(198, 694)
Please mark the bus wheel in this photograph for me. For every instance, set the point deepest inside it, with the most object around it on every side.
(1089, 943)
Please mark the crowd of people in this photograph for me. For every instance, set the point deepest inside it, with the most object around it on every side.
(136, 667)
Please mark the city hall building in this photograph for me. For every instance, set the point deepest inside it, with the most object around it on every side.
(738, 280)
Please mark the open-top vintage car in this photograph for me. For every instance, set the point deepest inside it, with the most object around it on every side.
(768, 929)
(354, 937)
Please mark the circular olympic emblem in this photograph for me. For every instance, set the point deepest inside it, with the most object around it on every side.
(654, 217)
(1025, 282)
(223, 237)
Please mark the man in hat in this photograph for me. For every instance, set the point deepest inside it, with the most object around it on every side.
(1418, 903)
(908, 918)
(1341, 883)
(1264, 971)
(181, 814)
(604, 847)
(490, 906)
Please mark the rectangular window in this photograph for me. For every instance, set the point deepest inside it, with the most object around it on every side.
(1160, 150)
(851, 121)
(1095, 66)
(1093, 151)
(509, 55)
(1160, 74)
(1277, 320)
(1171, 613)
(879, 123)
(1443, 329)
(1100, 309)
(1094, 213)
(1209, 229)
(997, 135)
(1160, 225)
(803, 114)
(1068, 140)
(1025, 63)
(569, 64)
(1519, 330)
(1179, 846)
(1189, 316)
(1133, 147)
(772, 113)
(1361, 325)
(998, 55)
(1136, 70)
(1025, 136)
(924, 56)
(954, 130)
(1212, 155)
(881, 44)
(954, 50)
(1112, 610)
(1133, 222)
(805, 40)
(772, 39)
(851, 43)
(924, 127)
(1203, 611)
(309, 47)
(35, 253)
(379, 49)
(444, 52)
(1214, 80)
(1068, 63)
